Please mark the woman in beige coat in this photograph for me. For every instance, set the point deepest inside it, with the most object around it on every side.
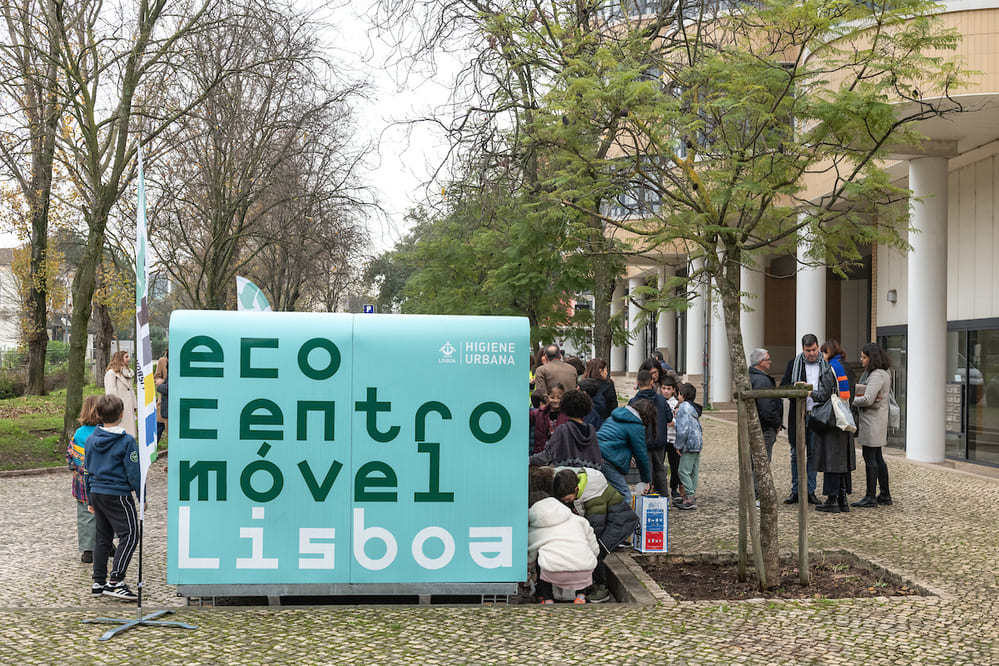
(118, 381)
(872, 423)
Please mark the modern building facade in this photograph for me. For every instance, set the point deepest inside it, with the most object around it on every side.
(934, 307)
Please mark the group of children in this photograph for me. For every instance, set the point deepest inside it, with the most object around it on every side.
(567, 526)
(105, 463)
(580, 503)
(575, 517)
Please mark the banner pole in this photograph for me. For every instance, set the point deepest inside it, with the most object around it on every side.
(138, 608)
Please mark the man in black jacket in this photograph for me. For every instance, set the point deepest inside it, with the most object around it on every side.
(805, 367)
(771, 410)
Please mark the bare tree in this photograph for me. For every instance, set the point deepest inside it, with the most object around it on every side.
(267, 148)
(104, 56)
(314, 260)
(31, 114)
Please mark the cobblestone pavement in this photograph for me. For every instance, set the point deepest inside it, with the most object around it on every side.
(942, 531)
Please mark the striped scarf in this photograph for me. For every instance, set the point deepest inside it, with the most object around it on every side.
(841, 382)
(798, 369)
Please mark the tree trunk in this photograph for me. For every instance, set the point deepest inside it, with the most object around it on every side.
(83, 293)
(104, 332)
(729, 288)
(37, 302)
(37, 318)
(38, 272)
(603, 291)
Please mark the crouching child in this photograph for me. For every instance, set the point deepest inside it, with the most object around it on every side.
(612, 519)
(565, 549)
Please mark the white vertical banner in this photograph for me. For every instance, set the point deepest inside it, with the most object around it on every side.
(146, 393)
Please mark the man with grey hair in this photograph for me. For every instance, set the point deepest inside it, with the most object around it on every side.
(554, 371)
(771, 410)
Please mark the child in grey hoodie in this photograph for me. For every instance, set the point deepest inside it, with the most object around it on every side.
(689, 440)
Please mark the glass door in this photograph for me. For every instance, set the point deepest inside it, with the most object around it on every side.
(895, 346)
(956, 394)
(983, 392)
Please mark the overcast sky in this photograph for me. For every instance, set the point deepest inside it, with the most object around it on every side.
(406, 156)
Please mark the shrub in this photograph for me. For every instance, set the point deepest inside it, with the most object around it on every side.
(55, 379)
(11, 384)
(56, 354)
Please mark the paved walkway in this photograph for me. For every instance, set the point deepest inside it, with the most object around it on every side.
(943, 531)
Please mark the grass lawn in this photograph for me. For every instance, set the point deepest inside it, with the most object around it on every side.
(30, 427)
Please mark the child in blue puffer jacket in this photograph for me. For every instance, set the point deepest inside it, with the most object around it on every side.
(622, 437)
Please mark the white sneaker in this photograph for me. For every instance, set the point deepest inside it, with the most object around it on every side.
(119, 591)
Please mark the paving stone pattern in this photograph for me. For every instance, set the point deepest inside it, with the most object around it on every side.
(943, 530)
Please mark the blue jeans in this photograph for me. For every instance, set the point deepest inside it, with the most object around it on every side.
(809, 461)
(617, 481)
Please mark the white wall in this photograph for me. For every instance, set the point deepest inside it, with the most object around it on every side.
(9, 307)
(972, 243)
(893, 273)
(972, 235)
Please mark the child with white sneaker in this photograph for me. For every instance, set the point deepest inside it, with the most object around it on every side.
(689, 440)
(111, 473)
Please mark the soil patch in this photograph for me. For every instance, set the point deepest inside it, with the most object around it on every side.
(832, 577)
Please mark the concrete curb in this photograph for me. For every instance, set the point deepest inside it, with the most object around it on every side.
(55, 469)
(40, 471)
(874, 565)
(630, 584)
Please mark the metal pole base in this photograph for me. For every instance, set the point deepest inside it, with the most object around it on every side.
(128, 624)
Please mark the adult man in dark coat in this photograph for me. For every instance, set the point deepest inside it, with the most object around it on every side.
(554, 371)
(771, 410)
(805, 367)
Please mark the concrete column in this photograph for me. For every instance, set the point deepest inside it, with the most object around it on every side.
(617, 359)
(720, 383)
(666, 324)
(753, 293)
(695, 325)
(810, 296)
(636, 350)
(924, 430)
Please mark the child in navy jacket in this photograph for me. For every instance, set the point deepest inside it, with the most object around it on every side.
(111, 474)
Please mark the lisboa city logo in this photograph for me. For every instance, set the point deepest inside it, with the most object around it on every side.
(447, 353)
(478, 352)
